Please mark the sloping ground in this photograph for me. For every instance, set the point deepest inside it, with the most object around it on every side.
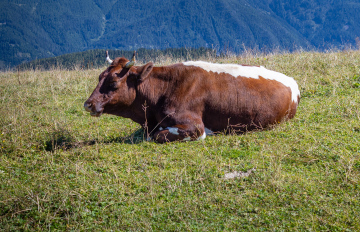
(38, 28)
(33, 29)
(61, 169)
(195, 23)
(324, 23)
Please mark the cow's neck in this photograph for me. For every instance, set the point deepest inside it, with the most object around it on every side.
(148, 98)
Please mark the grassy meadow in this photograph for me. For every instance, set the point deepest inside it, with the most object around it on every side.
(61, 169)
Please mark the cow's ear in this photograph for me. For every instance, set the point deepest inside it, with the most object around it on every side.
(145, 70)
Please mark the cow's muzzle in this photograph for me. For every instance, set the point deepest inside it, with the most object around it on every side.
(93, 112)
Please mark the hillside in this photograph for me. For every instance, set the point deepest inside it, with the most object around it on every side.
(63, 170)
(96, 58)
(33, 29)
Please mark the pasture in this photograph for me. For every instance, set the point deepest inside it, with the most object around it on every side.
(61, 169)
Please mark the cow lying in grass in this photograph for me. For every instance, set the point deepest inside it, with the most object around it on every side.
(182, 101)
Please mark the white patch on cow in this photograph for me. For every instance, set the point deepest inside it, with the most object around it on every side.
(202, 137)
(173, 130)
(249, 72)
(160, 128)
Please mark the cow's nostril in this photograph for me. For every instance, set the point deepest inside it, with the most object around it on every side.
(87, 106)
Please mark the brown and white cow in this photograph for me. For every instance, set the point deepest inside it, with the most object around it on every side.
(182, 101)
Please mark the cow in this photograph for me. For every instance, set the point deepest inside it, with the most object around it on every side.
(183, 101)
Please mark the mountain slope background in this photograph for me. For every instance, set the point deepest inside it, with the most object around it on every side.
(33, 29)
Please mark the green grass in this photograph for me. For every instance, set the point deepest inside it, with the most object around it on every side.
(61, 169)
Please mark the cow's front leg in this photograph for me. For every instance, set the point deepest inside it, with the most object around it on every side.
(180, 133)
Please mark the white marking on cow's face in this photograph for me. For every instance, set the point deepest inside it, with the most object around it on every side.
(249, 72)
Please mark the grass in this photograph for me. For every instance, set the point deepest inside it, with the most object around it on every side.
(61, 169)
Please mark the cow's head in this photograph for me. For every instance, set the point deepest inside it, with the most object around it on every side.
(116, 90)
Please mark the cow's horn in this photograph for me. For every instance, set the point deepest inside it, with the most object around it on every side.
(132, 62)
(108, 58)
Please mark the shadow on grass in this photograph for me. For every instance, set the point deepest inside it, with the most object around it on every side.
(136, 137)
(63, 140)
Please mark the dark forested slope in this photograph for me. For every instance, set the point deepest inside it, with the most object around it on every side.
(33, 29)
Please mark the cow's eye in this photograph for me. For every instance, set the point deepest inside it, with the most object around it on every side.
(113, 84)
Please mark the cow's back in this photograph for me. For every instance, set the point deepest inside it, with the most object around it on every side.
(243, 97)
